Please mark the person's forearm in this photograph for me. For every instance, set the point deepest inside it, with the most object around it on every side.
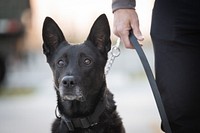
(123, 4)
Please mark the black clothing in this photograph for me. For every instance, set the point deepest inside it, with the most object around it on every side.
(175, 34)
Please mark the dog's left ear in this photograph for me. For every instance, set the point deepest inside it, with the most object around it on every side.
(100, 34)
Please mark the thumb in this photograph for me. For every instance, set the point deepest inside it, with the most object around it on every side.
(138, 33)
(136, 27)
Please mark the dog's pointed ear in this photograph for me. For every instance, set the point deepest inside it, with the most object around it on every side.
(52, 36)
(100, 34)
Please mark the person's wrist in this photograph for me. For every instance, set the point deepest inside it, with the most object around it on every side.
(123, 10)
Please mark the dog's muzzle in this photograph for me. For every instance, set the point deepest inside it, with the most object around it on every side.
(70, 90)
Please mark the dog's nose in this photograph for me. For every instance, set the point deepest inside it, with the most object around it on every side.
(68, 81)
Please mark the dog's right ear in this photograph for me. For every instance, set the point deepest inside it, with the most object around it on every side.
(52, 36)
(100, 34)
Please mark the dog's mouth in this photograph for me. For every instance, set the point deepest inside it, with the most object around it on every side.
(73, 97)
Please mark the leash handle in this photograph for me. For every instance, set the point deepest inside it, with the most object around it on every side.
(152, 82)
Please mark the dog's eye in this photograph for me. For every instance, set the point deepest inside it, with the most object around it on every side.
(61, 63)
(87, 61)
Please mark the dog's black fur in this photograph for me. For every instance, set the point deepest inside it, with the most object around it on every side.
(79, 78)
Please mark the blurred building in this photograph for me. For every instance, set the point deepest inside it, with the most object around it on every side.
(12, 28)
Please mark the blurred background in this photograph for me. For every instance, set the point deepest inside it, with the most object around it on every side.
(27, 96)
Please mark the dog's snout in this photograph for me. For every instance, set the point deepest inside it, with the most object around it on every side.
(68, 81)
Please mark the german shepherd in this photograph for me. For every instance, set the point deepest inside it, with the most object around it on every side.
(84, 102)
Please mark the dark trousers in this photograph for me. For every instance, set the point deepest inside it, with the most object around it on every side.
(175, 34)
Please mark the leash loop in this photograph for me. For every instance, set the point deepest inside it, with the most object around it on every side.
(57, 113)
(115, 51)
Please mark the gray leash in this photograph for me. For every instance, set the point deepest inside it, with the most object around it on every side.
(152, 83)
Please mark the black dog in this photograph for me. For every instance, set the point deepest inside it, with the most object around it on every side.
(84, 102)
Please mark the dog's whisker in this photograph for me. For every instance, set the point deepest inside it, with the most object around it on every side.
(81, 98)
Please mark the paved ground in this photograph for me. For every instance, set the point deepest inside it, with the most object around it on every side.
(34, 112)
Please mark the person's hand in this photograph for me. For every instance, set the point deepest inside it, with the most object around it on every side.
(124, 21)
